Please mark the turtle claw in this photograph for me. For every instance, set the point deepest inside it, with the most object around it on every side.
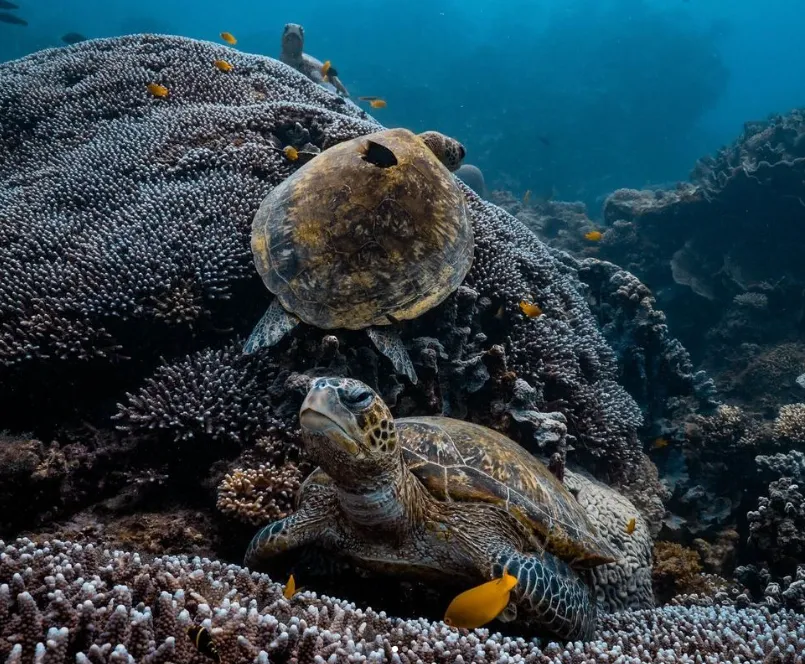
(389, 343)
(275, 324)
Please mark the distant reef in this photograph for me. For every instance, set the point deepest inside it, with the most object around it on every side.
(722, 256)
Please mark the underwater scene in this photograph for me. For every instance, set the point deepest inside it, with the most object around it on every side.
(402, 332)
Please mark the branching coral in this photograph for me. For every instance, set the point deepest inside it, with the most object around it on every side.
(777, 527)
(102, 606)
(789, 426)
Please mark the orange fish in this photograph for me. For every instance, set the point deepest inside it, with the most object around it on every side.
(593, 236)
(477, 606)
(659, 443)
(157, 90)
(290, 588)
(374, 102)
(291, 152)
(325, 68)
(229, 38)
(529, 309)
(223, 65)
(630, 526)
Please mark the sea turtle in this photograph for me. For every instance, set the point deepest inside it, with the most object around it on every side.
(292, 54)
(436, 497)
(370, 232)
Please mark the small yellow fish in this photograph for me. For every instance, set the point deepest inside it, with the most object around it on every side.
(229, 38)
(529, 309)
(527, 197)
(223, 65)
(203, 642)
(325, 68)
(659, 443)
(374, 102)
(157, 90)
(477, 606)
(593, 236)
(291, 152)
(290, 588)
(630, 526)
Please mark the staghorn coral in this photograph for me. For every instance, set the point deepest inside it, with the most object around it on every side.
(104, 606)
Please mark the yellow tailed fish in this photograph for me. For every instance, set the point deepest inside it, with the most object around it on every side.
(290, 588)
(477, 606)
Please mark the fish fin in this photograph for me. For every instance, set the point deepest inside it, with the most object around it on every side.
(379, 155)
(508, 614)
(391, 345)
(273, 326)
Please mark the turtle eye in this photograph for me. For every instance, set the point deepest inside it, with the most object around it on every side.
(358, 397)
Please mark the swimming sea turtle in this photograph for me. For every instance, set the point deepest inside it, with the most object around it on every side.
(435, 497)
(292, 54)
(370, 232)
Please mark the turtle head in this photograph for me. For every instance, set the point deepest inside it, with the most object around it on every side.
(349, 430)
(447, 150)
(293, 39)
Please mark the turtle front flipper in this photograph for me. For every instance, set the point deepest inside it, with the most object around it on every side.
(275, 324)
(548, 594)
(310, 524)
(389, 343)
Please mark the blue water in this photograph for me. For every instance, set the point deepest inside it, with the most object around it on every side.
(573, 96)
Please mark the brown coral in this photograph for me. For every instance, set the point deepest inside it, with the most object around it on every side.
(259, 495)
(790, 424)
(677, 570)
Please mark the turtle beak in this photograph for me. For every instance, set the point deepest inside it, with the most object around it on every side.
(322, 413)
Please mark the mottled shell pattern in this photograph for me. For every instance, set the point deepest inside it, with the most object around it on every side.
(465, 462)
(351, 240)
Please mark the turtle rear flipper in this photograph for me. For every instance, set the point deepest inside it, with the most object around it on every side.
(549, 593)
(389, 343)
(275, 324)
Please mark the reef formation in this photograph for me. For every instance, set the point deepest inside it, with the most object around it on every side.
(127, 289)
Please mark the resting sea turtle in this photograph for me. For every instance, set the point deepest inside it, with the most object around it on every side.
(292, 54)
(429, 497)
(370, 232)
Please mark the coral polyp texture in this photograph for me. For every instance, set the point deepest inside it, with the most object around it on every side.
(63, 602)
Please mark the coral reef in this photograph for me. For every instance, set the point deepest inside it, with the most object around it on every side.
(723, 253)
(60, 601)
(135, 291)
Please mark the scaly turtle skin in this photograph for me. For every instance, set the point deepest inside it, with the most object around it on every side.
(292, 54)
(372, 231)
(434, 497)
